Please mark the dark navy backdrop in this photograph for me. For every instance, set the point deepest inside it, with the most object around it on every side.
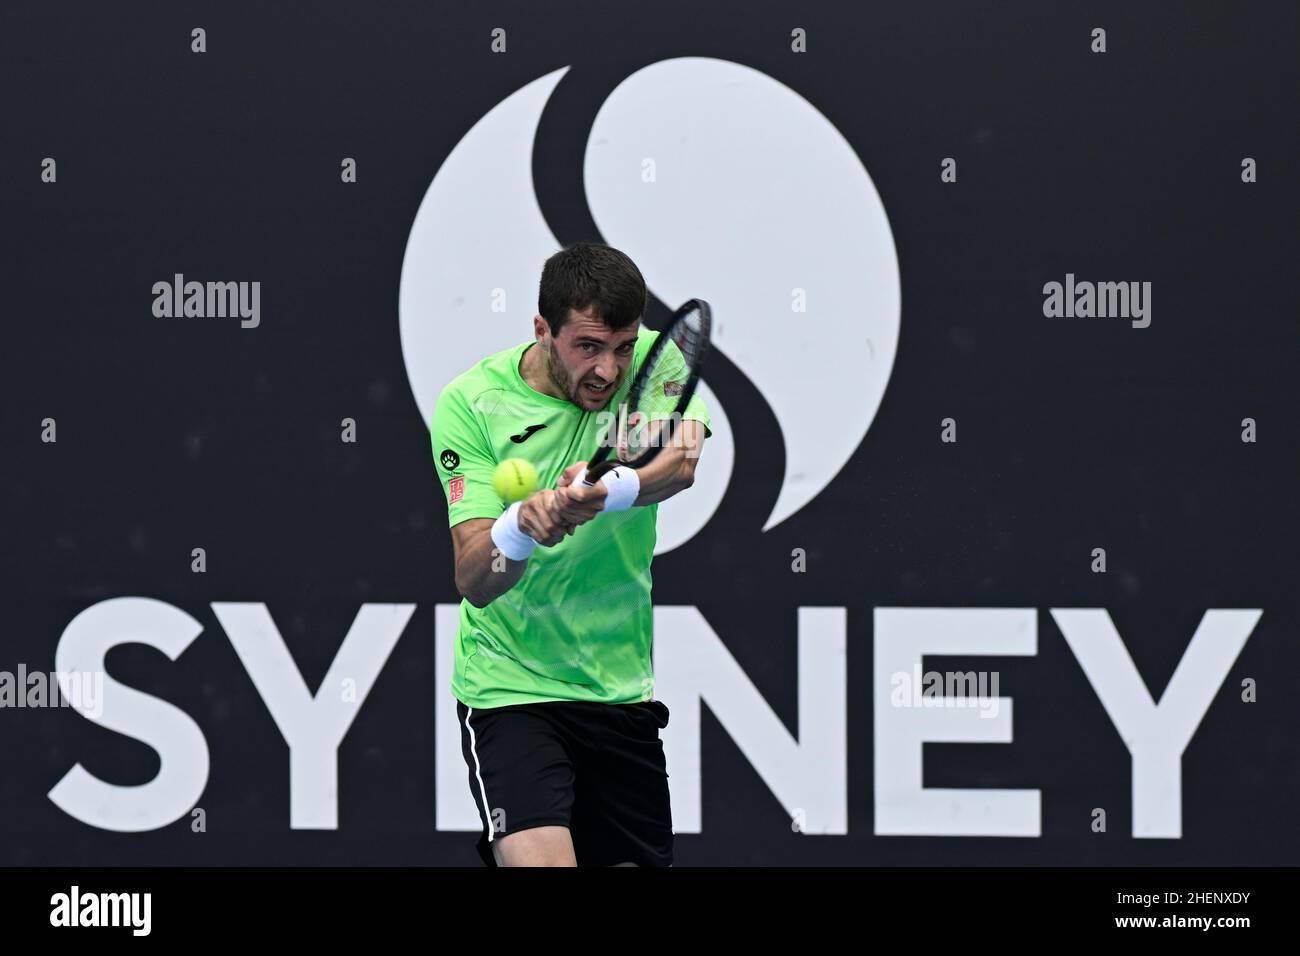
(1074, 434)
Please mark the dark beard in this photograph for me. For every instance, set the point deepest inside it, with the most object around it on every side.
(558, 382)
(560, 386)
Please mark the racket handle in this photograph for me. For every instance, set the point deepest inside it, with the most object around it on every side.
(594, 473)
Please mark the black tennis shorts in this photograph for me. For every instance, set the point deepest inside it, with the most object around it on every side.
(595, 768)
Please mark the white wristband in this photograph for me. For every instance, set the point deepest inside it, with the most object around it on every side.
(622, 485)
(509, 538)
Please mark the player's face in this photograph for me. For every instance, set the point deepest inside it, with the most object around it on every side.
(588, 360)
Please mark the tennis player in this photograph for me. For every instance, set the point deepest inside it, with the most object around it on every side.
(553, 675)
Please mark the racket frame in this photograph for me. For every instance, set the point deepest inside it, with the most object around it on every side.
(600, 463)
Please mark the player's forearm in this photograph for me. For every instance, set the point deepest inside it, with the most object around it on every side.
(663, 478)
(483, 574)
(673, 469)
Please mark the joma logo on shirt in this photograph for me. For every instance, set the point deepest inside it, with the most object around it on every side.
(527, 434)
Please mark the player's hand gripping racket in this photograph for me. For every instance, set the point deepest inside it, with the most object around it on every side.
(651, 415)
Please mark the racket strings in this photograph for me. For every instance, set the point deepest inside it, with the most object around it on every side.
(653, 405)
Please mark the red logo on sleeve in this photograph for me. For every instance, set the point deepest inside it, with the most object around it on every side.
(457, 488)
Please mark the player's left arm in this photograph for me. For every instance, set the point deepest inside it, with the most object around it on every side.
(671, 471)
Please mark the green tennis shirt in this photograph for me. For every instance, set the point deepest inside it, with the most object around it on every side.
(578, 625)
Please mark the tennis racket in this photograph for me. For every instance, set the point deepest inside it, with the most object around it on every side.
(651, 414)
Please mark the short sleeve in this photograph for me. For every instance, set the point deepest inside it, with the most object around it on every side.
(463, 460)
(697, 411)
(675, 370)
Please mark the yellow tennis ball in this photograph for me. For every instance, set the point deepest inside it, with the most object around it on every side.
(515, 479)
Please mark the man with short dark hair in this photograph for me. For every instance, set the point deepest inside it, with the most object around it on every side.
(553, 674)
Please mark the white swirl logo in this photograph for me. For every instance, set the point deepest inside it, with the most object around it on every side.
(777, 201)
